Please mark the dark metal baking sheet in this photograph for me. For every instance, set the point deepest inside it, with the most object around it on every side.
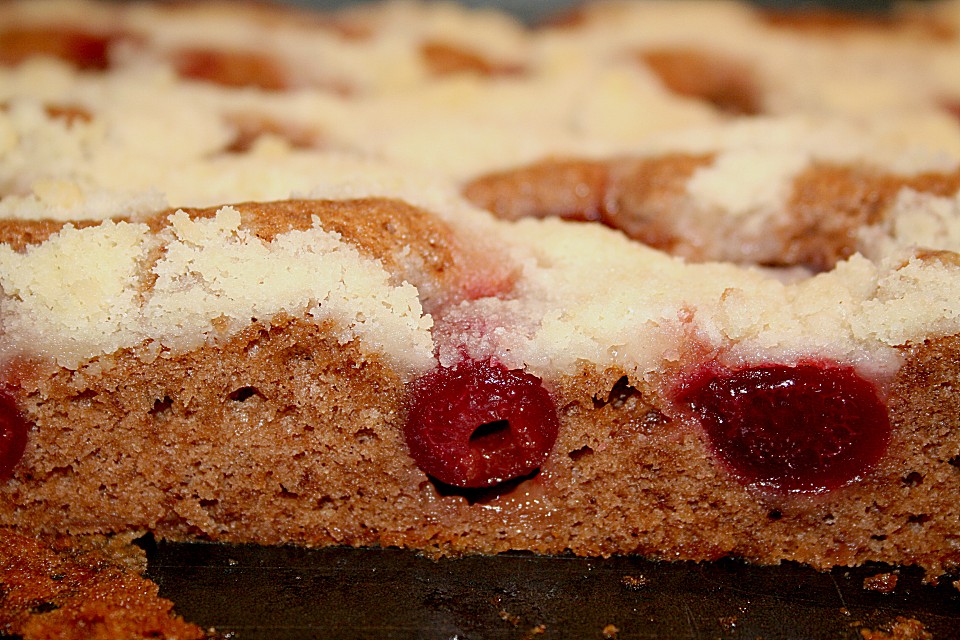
(287, 593)
(534, 11)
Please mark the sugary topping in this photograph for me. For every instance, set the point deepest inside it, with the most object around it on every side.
(92, 291)
(204, 105)
(375, 94)
(806, 428)
(13, 436)
(734, 207)
(478, 424)
(75, 289)
(914, 220)
(589, 294)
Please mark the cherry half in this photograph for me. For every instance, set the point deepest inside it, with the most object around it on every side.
(13, 436)
(805, 428)
(479, 424)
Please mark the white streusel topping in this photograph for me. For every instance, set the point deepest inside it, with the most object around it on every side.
(582, 92)
(586, 294)
(85, 293)
(590, 295)
(377, 122)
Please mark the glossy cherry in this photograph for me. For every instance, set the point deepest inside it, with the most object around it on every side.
(804, 428)
(13, 436)
(479, 424)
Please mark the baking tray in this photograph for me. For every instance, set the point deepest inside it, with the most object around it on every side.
(285, 593)
(534, 11)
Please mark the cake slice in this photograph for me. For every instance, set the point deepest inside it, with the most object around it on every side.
(251, 298)
(333, 372)
(82, 588)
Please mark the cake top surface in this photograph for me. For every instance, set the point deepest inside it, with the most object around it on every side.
(138, 114)
(106, 288)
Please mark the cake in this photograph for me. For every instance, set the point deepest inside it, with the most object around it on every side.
(83, 588)
(677, 280)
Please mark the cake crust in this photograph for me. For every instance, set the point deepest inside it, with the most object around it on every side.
(82, 588)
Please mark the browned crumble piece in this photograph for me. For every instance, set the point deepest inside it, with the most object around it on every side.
(634, 583)
(882, 582)
(90, 589)
(901, 629)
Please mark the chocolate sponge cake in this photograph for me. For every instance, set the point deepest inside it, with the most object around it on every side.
(675, 283)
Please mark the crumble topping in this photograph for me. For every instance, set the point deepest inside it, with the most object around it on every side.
(89, 292)
(379, 122)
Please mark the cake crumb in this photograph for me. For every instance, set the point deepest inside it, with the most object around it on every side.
(509, 617)
(902, 629)
(728, 622)
(53, 587)
(881, 582)
(634, 583)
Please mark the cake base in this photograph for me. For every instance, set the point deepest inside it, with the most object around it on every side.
(284, 436)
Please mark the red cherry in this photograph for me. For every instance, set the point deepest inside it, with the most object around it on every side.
(13, 436)
(479, 424)
(806, 428)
